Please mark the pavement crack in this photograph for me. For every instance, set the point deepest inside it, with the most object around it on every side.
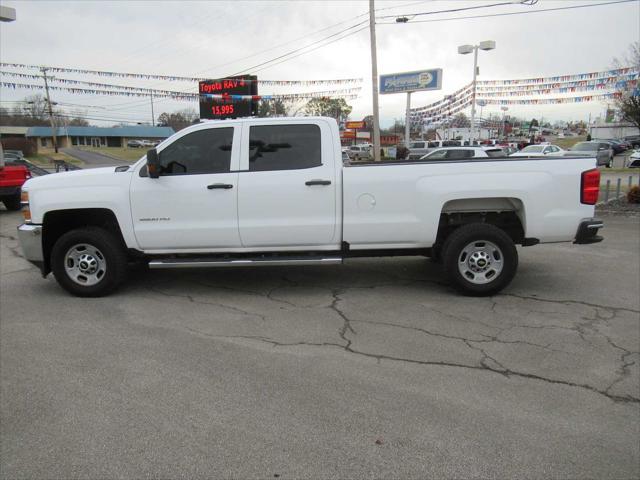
(570, 302)
(215, 304)
(346, 326)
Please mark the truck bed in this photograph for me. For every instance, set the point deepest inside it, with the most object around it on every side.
(401, 207)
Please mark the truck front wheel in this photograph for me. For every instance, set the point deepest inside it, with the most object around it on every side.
(479, 259)
(89, 262)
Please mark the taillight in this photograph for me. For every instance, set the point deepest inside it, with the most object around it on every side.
(590, 187)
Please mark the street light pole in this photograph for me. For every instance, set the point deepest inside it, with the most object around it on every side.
(473, 95)
(374, 82)
(464, 50)
(407, 120)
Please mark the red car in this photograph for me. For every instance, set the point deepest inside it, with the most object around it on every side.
(12, 177)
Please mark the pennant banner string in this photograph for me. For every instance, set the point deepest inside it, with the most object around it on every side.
(152, 76)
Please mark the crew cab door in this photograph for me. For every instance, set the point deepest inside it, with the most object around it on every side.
(287, 185)
(193, 204)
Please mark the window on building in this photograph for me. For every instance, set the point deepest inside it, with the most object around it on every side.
(199, 152)
(284, 147)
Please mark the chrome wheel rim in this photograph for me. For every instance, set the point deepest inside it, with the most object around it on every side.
(85, 264)
(480, 262)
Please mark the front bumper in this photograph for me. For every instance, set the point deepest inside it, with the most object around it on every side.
(9, 191)
(30, 237)
(588, 231)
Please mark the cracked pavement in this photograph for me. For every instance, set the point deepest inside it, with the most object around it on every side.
(371, 369)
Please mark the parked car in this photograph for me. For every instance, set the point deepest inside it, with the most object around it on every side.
(279, 194)
(617, 146)
(634, 140)
(601, 150)
(136, 144)
(459, 153)
(537, 150)
(359, 152)
(17, 153)
(12, 178)
(634, 159)
(419, 149)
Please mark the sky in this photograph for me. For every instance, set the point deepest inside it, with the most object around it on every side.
(218, 38)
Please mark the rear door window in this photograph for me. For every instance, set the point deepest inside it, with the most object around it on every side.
(284, 147)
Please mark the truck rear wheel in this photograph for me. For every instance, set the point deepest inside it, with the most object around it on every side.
(89, 262)
(12, 202)
(479, 259)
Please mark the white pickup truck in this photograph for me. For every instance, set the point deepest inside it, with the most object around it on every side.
(274, 191)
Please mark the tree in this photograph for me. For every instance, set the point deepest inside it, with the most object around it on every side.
(329, 107)
(32, 111)
(627, 99)
(461, 121)
(178, 120)
(271, 108)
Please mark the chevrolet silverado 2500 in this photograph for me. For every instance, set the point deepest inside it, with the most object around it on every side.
(274, 191)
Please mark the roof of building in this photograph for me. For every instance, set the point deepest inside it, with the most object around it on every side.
(10, 130)
(137, 131)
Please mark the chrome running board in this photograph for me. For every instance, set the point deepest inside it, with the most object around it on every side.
(241, 262)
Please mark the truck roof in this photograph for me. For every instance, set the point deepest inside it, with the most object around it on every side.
(266, 119)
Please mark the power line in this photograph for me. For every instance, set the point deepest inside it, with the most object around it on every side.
(511, 13)
(302, 48)
(451, 10)
(313, 49)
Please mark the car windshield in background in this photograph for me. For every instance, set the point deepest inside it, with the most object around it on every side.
(533, 149)
(585, 147)
(416, 145)
(495, 152)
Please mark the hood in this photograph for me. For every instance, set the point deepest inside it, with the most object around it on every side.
(75, 177)
(527, 154)
(573, 153)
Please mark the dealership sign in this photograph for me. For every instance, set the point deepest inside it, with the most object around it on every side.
(411, 81)
(228, 97)
(355, 125)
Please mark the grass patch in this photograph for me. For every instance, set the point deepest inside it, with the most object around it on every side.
(46, 156)
(568, 142)
(126, 154)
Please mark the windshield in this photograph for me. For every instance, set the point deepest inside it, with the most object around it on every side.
(585, 147)
(416, 145)
(533, 149)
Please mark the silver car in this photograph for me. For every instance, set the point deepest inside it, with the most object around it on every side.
(601, 150)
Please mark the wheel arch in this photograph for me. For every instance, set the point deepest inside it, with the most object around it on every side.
(58, 222)
(506, 213)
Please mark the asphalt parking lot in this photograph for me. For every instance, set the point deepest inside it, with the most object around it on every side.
(372, 369)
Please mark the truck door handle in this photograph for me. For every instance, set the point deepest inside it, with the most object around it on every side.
(317, 182)
(226, 186)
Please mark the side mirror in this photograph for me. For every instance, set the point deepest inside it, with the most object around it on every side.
(153, 163)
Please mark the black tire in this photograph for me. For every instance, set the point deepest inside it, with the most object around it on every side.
(461, 238)
(12, 202)
(112, 254)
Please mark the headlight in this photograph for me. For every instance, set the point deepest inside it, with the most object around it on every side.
(24, 201)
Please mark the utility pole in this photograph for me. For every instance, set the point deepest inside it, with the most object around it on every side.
(53, 126)
(153, 117)
(374, 82)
